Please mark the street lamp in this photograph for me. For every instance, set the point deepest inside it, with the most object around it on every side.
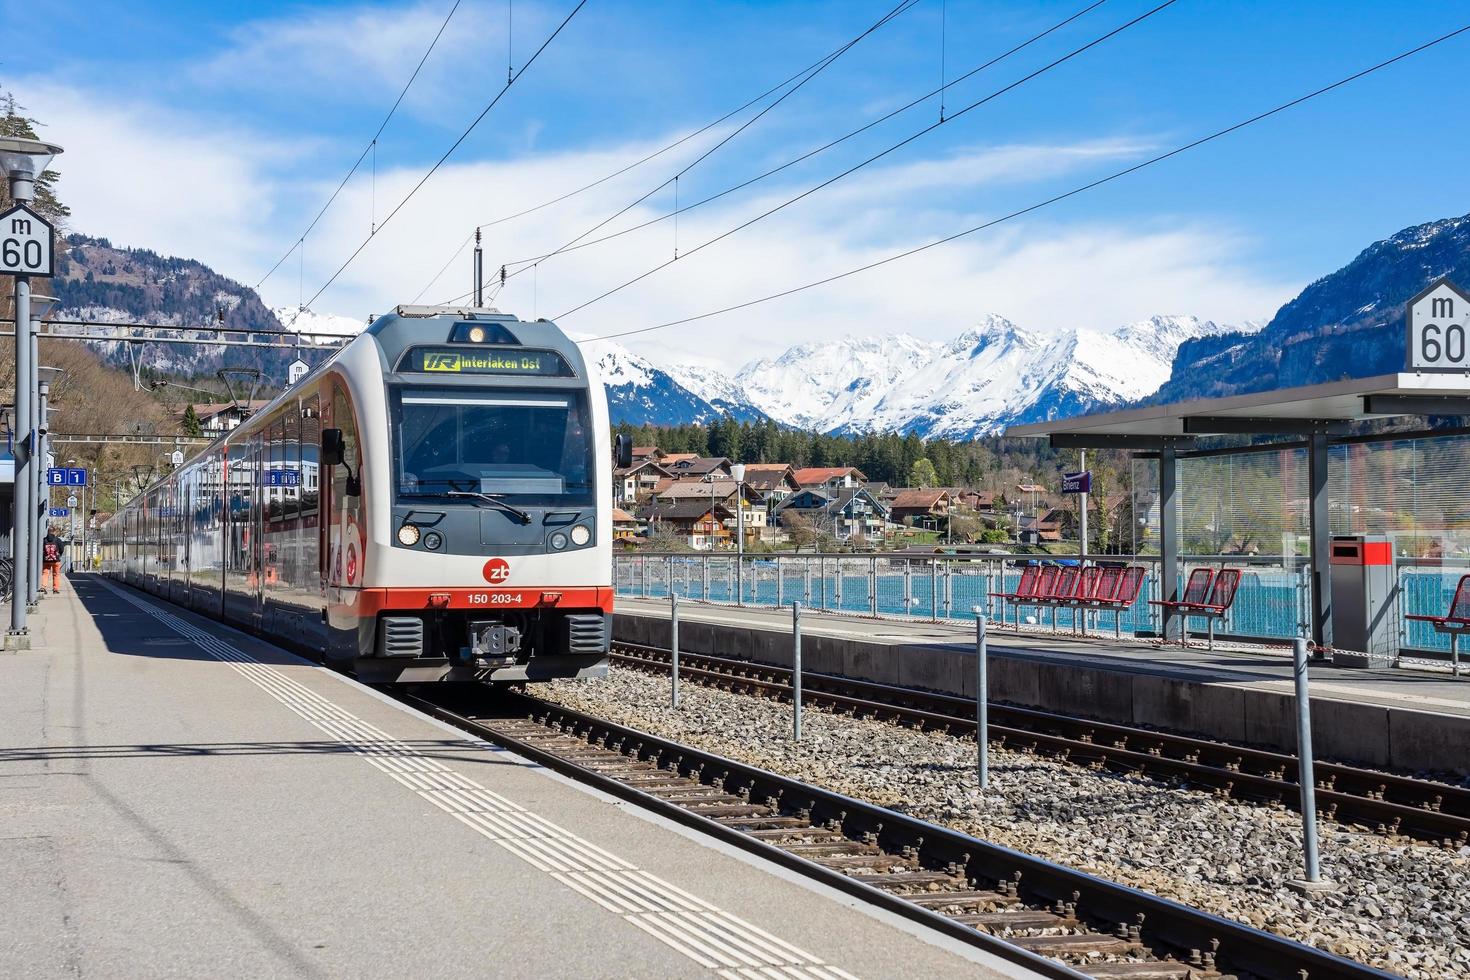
(738, 472)
(45, 376)
(23, 160)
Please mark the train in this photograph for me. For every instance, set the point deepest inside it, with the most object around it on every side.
(431, 503)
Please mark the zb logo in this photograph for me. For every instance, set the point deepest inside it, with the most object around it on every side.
(441, 362)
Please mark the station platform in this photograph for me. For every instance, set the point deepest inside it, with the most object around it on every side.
(183, 800)
(1409, 720)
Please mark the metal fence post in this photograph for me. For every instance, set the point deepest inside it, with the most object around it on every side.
(780, 591)
(704, 578)
(796, 672)
(1305, 778)
(873, 587)
(674, 647)
(934, 589)
(669, 574)
(982, 701)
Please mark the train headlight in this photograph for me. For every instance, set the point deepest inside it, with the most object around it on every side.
(581, 534)
(558, 541)
(433, 540)
(477, 335)
(408, 535)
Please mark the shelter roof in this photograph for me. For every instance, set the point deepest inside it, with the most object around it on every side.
(1351, 400)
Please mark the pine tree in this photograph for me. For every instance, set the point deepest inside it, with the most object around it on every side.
(190, 423)
(14, 123)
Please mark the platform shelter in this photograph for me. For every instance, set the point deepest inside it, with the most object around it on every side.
(1310, 417)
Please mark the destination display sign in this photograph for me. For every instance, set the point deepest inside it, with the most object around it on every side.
(450, 360)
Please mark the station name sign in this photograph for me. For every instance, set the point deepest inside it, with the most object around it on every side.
(449, 360)
(1077, 482)
(1439, 329)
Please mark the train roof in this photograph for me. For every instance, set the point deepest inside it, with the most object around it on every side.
(418, 326)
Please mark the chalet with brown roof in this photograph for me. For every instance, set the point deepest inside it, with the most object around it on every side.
(829, 477)
(702, 527)
(698, 467)
(638, 482)
(920, 508)
(773, 481)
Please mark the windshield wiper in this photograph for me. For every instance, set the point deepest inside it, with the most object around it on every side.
(491, 498)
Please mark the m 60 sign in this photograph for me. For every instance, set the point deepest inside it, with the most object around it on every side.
(1439, 329)
(26, 243)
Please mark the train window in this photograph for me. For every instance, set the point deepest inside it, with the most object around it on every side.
(311, 438)
(291, 466)
(528, 445)
(275, 436)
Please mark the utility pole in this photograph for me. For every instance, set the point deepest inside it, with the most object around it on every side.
(479, 272)
(45, 376)
(1082, 462)
(26, 250)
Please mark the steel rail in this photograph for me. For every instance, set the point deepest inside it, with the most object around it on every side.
(617, 759)
(1388, 803)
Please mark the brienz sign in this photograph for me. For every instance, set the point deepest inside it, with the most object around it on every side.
(1077, 482)
(1439, 329)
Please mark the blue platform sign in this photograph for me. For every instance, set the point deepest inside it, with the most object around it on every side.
(59, 512)
(282, 478)
(1077, 482)
(56, 476)
(76, 476)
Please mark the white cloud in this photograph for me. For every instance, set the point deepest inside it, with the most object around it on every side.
(197, 187)
(144, 176)
(358, 54)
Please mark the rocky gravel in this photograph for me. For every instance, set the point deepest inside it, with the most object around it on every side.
(1399, 905)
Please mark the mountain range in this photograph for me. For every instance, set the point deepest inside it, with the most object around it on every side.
(991, 376)
(997, 373)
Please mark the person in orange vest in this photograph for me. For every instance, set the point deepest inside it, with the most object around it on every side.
(52, 548)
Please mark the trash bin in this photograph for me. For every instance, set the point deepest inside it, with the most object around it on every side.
(1363, 631)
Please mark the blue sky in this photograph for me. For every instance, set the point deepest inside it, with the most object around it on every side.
(243, 117)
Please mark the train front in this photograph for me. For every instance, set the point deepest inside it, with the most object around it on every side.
(494, 546)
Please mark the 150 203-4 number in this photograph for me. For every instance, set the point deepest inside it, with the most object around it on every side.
(495, 598)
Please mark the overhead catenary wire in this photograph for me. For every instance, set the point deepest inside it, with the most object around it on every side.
(449, 152)
(371, 146)
(620, 171)
(1091, 185)
(877, 156)
(804, 77)
(523, 264)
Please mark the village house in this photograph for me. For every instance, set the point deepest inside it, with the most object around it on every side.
(847, 513)
(927, 509)
(829, 477)
(692, 519)
(636, 483)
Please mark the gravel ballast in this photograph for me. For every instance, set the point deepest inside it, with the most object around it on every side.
(1399, 904)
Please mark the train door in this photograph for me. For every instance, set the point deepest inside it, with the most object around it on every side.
(344, 522)
(256, 556)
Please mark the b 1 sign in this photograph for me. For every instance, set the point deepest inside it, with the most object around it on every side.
(1077, 482)
(1439, 329)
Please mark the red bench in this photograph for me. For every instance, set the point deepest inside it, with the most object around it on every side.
(1037, 583)
(1205, 594)
(1125, 593)
(1453, 623)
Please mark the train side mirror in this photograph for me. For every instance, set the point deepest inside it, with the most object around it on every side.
(623, 451)
(333, 448)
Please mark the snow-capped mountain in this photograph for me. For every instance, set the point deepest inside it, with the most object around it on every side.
(994, 375)
(317, 325)
(642, 394)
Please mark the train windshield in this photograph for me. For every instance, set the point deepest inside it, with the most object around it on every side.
(528, 446)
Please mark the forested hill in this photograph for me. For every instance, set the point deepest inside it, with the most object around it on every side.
(1349, 324)
(97, 280)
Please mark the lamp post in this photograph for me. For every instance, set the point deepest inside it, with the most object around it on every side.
(738, 472)
(44, 377)
(24, 160)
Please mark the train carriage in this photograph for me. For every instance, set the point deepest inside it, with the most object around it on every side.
(430, 503)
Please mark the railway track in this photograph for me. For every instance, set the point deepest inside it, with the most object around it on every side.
(1427, 810)
(1053, 919)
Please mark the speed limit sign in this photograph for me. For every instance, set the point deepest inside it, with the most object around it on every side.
(26, 243)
